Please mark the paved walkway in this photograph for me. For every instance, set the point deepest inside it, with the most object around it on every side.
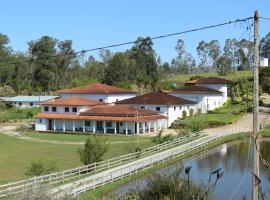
(244, 124)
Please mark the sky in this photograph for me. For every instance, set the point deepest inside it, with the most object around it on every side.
(95, 23)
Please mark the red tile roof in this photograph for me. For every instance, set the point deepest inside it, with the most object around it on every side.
(72, 101)
(118, 110)
(156, 98)
(97, 88)
(195, 90)
(209, 80)
(100, 118)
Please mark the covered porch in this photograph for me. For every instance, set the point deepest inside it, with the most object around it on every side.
(105, 127)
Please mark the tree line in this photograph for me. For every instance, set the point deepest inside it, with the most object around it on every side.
(52, 64)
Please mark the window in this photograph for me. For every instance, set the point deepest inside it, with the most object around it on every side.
(121, 123)
(40, 121)
(158, 108)
(54, 109)
(31, 104)
(214, 102)
(174, 108)
(101, 100)
(66, 109)
(180, 107)
(108, 124)
(46, 108)
(187, 107)
(20, 103)
(142, 107)
(74, 109)
(117, 100)
(87, 123)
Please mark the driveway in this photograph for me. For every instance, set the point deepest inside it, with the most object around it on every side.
(244, 124)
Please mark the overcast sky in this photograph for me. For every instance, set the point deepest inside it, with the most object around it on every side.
(95, 23)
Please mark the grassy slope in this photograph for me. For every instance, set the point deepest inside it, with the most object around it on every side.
(16, 154)
(231, 76)
(225, 115)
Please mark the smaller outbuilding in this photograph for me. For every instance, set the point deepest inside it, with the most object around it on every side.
(29, 101)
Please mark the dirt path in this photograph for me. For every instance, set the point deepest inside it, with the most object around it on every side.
(12, 130)
(242, 125)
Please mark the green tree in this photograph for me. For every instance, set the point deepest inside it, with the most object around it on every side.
(94, 148)
(117, 70)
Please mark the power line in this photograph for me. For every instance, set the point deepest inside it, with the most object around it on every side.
(132, 42)
(267, 18)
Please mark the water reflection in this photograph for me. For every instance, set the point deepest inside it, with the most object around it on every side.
(235, 159)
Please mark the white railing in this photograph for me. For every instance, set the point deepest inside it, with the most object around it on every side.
(129, 169)
(80, 172)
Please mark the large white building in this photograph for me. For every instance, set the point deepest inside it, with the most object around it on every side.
(168, 105)
(76, 114)
(99, 92)
(209, 93)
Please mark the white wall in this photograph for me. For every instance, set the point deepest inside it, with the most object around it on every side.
(213, 100)
(108, 98)
(25, 104)
(220, 87)
(41, 124)
(172, 112)
(61, 109)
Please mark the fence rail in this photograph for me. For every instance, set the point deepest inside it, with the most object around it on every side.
(87, 170)
(129, 169)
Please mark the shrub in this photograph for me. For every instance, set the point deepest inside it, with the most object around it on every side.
(196, 125)
(94, 148)
(171, 185)
(216, 123)
(184, 114)
(41, 167)
(158, 139)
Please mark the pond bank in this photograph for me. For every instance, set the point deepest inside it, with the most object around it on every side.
(100, 192)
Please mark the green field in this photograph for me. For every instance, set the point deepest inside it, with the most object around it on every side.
(17, 154)
(224, 115)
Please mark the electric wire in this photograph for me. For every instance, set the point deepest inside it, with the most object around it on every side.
(133, 42)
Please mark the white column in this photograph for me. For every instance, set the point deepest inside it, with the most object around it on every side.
(159, 121)
(155, 126)
(83, 126)
(73, 125)
(115, 128)
(104, 126)
(54, 127)
(64, 125)
(143, 127)
(94, 126)
(138, 128)
(126, 123)
(149, 127)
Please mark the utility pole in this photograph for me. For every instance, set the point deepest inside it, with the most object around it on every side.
(256, 142)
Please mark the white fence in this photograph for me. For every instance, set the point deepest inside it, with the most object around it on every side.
(88, 170)
(131, 168)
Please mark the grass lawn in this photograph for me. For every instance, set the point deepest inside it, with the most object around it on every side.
(224, 115)
(81, 138)
(16, 154)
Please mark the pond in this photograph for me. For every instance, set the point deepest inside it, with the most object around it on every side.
(236, 161)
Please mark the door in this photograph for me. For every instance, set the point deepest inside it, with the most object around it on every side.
(117, 127)
(50, 124)
(99, 126)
